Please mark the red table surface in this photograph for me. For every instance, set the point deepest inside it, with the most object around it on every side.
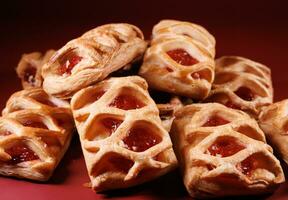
(257, 30)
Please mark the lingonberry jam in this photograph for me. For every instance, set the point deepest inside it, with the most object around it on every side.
(182, 57)
(245, 93)
(140, 139)
(126, 102)
(34, 124)
(69, 62)
(21, 153)
(247, 166)
(215, 121)
(225, 146)
(111, 124)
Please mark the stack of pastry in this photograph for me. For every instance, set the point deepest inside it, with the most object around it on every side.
(125, 134)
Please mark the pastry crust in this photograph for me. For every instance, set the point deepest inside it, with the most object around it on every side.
(222, 152)
(123, 141)
(180, 59)
(91, 58)
(274, 122)
(242, 84)
(30, 66)
(167, 111)
(35, 132)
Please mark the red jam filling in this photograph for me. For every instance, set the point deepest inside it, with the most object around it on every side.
(34, 124)
(21, 153)
(69, 63)
(5, 133)
(140, 139)
(169, 69)
(182, 57)
(245, 93)
(285, 127)
(111, 124)
(29, 75)
(215, 121)
(225, 146)
(95, 96)
(248, 165)
(126, 102)
(229, 104)
(203, 74)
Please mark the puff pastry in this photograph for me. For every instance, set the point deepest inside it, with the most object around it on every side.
(91, 58)
(35, 132)
(30, 66)
(223, 152)
(123, 141)
(167, 111)
(180, 59)
(242, 84)
(274, 122)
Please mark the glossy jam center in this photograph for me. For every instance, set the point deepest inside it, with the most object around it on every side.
(248, 165)
(225, 146)
(126, 102)
(69, 63)
(111, 124)
(34, 124)
(285, 127)
(95, 96)
(21, 153)
(215, 121)
(245, 93)
(140, 139)
(229, 104)
(182, 57)
(203, 74)
(29, 75)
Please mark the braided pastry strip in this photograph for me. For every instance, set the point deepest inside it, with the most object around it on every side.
(91, 58)
(274, 122)
(30, 66)
(35, 132)
(242, 84)
(223, 152)
(123, 141)
(180, 59)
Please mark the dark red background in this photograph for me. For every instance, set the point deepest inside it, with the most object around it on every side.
(254, 29)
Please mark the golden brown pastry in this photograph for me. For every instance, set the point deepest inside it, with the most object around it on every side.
(180, 59)
(30, 66)
(167, 111)
(35, 132)
(222, 152)
(91, 58)
(242, 84)
(274, 122)
(123, 141)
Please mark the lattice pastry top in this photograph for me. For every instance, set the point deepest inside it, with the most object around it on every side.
(35, 131)
(91, 58)
(223, 152)
(30, 66)
(180, 59)
(120, 130)
(274, 122)
(242, 84)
